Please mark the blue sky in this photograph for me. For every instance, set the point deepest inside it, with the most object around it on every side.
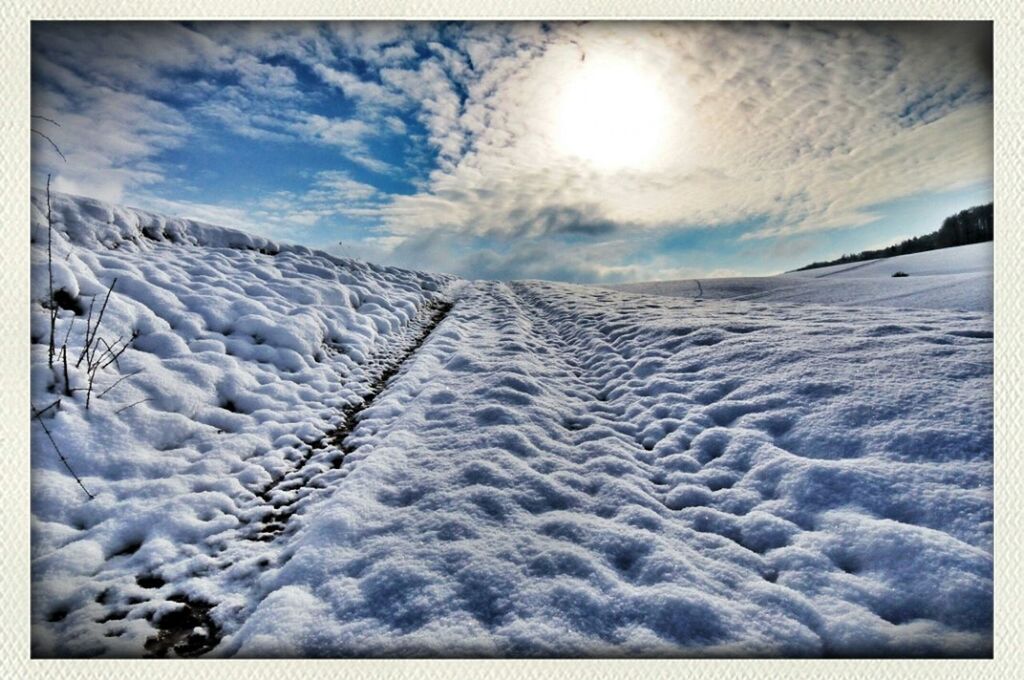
(593, 152)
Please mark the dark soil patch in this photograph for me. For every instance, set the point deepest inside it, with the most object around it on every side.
(189, 631)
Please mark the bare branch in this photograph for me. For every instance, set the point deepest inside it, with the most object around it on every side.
(64, 358)
(117, 382)
(113, 359)
(57, 449)
(48, 120)
(49, 269)
(68, 333)
(94, 365)
(88, 392)
(91, 336)
(130, 405)
(52, 143)
(47, 408)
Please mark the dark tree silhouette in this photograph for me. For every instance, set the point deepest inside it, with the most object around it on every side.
(973, 225)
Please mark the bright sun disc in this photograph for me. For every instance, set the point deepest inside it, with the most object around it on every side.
(612, 114)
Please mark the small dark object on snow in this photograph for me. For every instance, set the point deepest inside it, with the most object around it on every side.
(896, 275)
(190, 631)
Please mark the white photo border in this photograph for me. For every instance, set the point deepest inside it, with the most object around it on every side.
(15, 19)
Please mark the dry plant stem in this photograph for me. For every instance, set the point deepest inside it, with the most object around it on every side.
(88, 392)
(49, 268)
(64, 356)
(95, 365)
(52, 143)
(48, 120)
(114, 356)
(57, 449)
(68, 333)
(44, 136)
(67, 380)
(55, 402)
(93, 362)
(117, 382)
(125, 408)
(88, 325)
(91, 330)
(110, 352)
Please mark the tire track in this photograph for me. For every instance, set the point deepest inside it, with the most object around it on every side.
(330, 450)
(190, 630)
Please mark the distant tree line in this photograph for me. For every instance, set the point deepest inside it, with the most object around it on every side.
(973, 225)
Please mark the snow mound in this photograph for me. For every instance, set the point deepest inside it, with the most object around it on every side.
(948, 278)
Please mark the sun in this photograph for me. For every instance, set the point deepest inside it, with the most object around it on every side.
(612, 114)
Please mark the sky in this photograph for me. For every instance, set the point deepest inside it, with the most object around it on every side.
(593, 152)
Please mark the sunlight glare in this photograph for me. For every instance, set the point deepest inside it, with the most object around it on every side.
(612, 114)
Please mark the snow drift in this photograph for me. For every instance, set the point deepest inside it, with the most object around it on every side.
(336, 459)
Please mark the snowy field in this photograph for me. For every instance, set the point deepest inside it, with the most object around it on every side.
(948, 278)
(311, 456)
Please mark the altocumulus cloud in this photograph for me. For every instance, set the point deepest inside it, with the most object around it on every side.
(443, 146)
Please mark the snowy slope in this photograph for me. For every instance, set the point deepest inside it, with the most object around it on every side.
(524, 469)
(948, 278)
(971, 259)
(246, 351)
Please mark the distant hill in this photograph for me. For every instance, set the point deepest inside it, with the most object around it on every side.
(973, 225)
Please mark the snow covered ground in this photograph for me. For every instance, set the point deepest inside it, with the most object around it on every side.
(948, 278)
(337, 459)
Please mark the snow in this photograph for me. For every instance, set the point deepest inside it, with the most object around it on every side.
(338, 459)
(948, 278)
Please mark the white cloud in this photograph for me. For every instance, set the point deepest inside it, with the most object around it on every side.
(344, 133)
(107, 136)
(342, 187)
(807, 124)
(366, 92)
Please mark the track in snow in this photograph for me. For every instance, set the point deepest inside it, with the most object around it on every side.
(190, 631)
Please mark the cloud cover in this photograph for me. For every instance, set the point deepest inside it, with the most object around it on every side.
(440, 145)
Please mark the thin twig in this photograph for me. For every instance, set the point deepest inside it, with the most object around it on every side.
(88, 392)
(117, 382)
(91, 337)
(113, 359)
(64, 358)
(125, 408)
(88, 327)
(99, 319)
(48, 120)
(52, 143)
(110, 350)
(49, 269)
(47, 408)
(94, 366)
(68, 334)
(62, 458)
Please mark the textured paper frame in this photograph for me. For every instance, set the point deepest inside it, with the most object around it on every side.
(15, 18)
